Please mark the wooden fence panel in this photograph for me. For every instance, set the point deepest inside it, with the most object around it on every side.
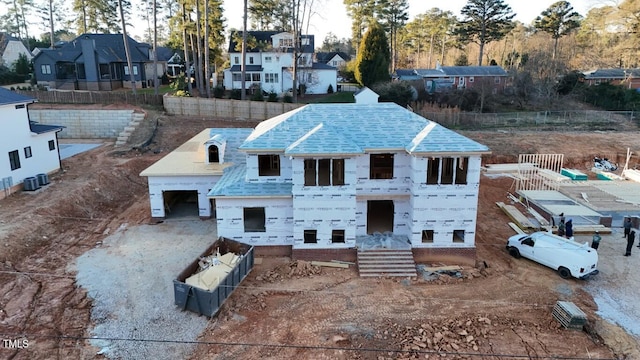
(93, 97)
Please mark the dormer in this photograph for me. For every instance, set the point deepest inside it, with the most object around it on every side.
(282, 41)
(214, 149)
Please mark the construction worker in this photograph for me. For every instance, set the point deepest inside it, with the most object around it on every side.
(595, 242)
(561, 228)
(630, 238)
(627, 227)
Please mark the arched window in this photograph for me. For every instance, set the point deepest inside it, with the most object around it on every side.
(214, 155)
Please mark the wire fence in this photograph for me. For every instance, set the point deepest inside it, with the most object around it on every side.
(585, 119)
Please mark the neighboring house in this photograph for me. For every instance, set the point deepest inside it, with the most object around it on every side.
(269, 64)
(175, 65)
(444, 78)
(26, 148)
(164, 55)
(312, 180)
(629, 78)
(337, 59)
(11, 48)
(95, 62)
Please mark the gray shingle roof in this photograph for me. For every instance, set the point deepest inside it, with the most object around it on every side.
(611, 73)
(11, 97)
(41, 128)
(109, 48)
(264, 39)
(473, 70)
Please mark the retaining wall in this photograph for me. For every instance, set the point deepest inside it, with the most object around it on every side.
(224, 108)
(84, 124)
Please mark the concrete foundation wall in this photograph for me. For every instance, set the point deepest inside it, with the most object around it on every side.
(278, 220)
(84, 124)
(460, 256)
(159, 184)
(325, 255)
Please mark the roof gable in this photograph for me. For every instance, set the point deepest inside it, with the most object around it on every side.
(108, 47)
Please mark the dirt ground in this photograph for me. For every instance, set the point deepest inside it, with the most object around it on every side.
(286, 310)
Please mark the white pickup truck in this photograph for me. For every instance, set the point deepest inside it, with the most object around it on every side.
(566, 256)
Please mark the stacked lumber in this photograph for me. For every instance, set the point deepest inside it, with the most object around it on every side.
(590, 229)
(516, 216)
(569, 315)
(633, 175)
(552, 175)
(513, 168)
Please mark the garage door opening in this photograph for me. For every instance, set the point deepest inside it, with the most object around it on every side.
(180, 204)
(379, 216)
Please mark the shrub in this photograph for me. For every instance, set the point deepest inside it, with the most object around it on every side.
(182, 93)
(273, 97)
(287, 98)
(330, 89)
(236, 94)
(218, 92)
(257, 95)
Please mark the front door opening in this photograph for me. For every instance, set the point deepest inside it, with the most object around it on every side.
(379, 216)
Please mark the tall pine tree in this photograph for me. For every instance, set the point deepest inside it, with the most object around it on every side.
(485, 21)
(558, 20)
(372, 63)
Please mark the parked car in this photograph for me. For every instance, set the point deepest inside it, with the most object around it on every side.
(567, 257)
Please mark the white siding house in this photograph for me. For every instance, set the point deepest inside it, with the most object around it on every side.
(11, 48)
(26, 148)
(269, 64)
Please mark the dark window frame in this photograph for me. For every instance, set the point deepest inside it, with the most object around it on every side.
(337, 237)
(427, 236)
(381, 166)
(250, 215)
(269, 165)
(52, 145)
(27, 152)
(462, 167)
(458, 236)
(14, 160)
(310, 236)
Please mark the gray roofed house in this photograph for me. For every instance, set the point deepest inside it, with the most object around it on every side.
(629, 78)
(444, 78)
(95, 62)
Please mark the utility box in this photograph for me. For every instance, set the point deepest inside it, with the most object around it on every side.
(211, 278)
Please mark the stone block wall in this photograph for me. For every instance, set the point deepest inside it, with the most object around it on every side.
(84, 124)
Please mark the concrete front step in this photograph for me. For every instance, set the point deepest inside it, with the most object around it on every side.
(386, 262)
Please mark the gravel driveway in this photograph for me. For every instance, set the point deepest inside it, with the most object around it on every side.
(615, 288)
(129, 277)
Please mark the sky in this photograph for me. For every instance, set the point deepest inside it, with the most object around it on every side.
(332, 14)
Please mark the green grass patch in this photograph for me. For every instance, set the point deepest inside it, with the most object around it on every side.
(339, 97)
